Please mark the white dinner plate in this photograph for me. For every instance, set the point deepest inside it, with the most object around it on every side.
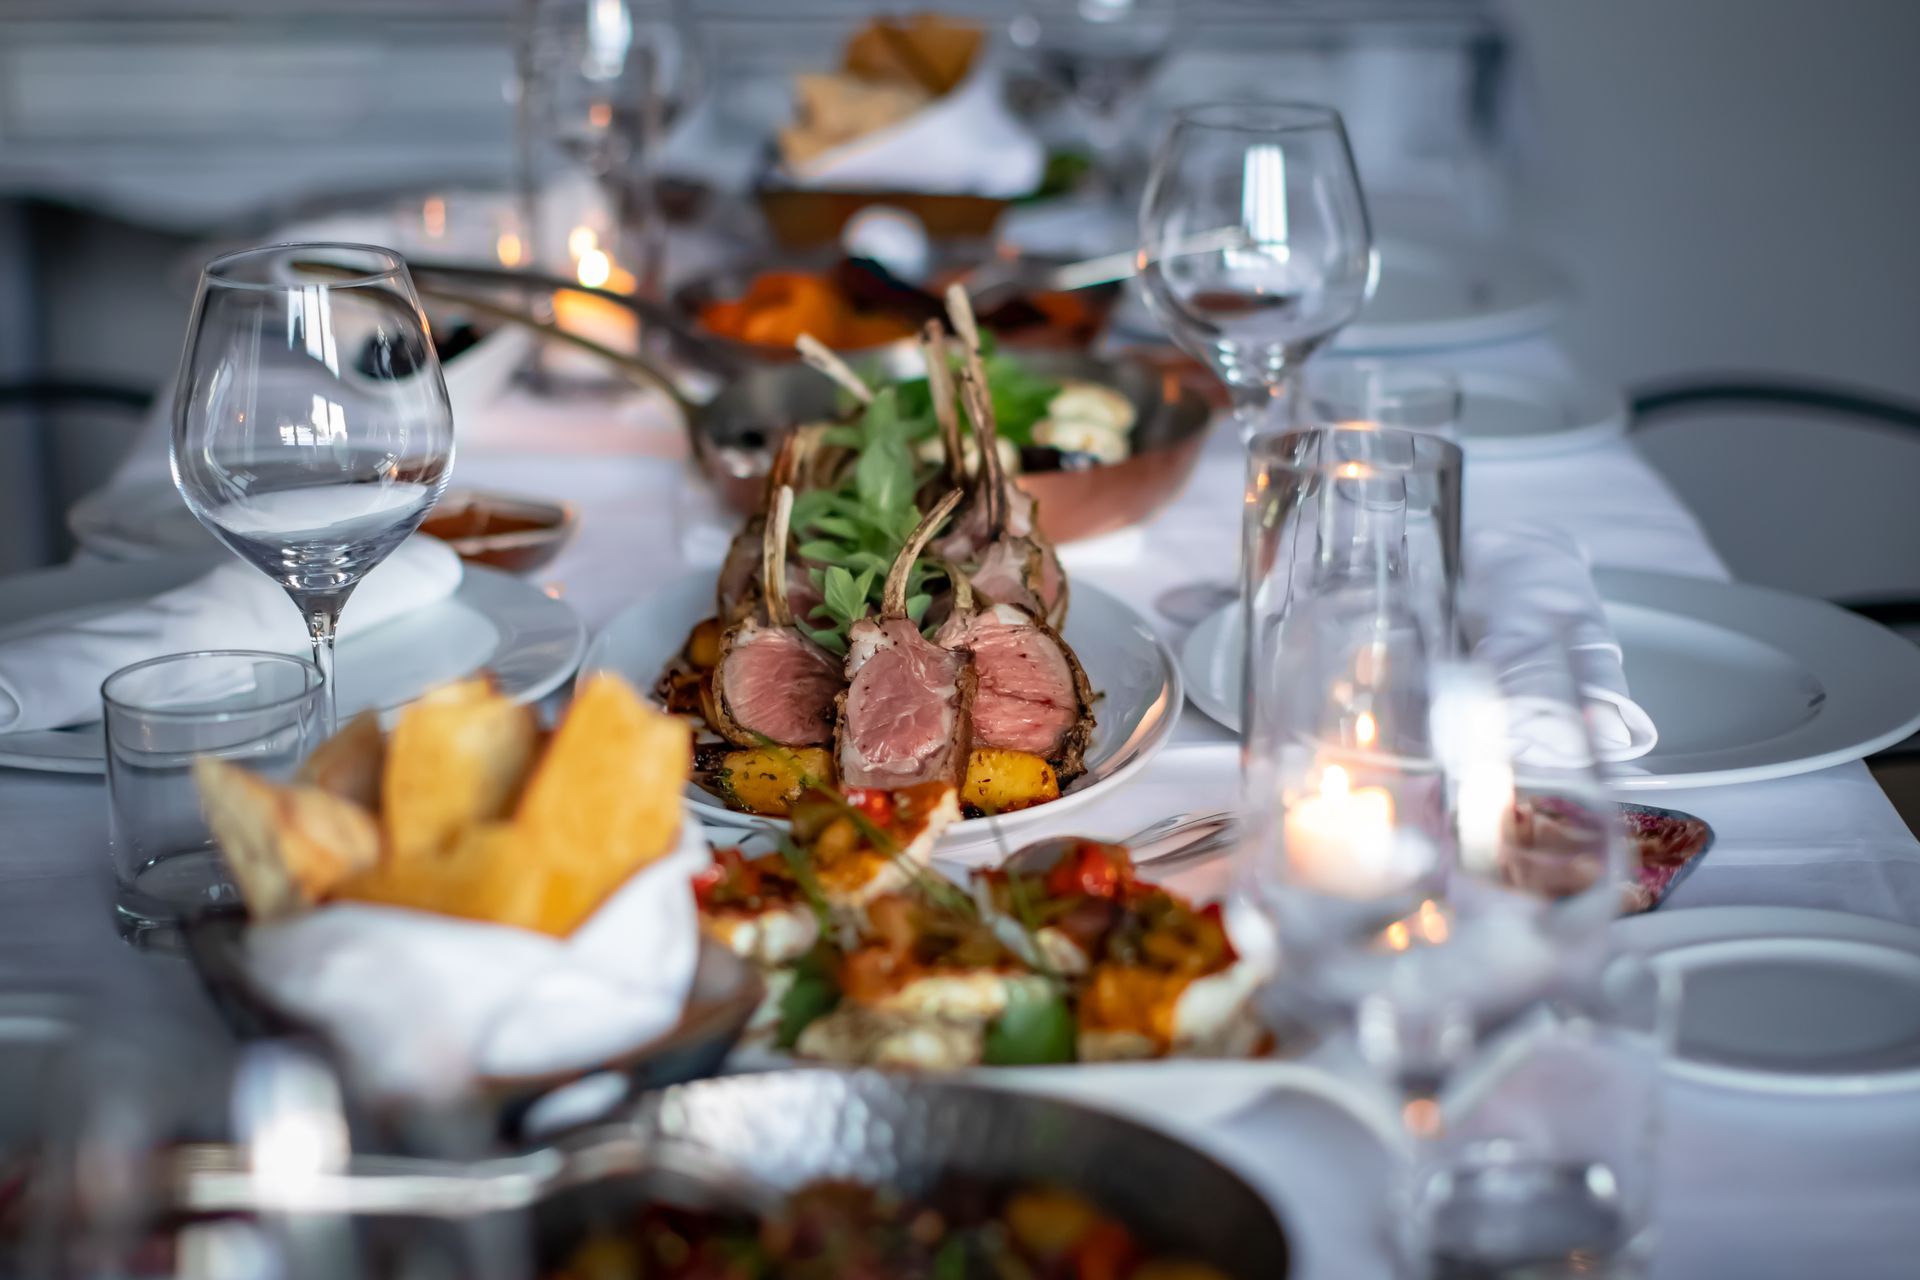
(530, 642)
(1504, 417)
(1434, 293)
(1745, 683)
(1789, 999)
(1133, 674)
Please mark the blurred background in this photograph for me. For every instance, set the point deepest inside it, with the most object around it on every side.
(1723, 180)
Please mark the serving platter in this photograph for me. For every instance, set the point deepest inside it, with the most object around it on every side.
(1745, 683)
(1789, 999)
(1134, 676)
(530, 641)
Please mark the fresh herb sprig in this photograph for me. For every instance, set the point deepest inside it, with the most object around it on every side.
(849, 535)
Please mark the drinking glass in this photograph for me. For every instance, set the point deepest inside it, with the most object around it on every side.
(1101, 53)
(1547, 1162)
(262, 710)
(1347, 506)
(311, 428)
(605, 80)
(1255, 247)
(1385, 394)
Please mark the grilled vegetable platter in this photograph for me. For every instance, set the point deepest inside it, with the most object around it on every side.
(870, 957)
(890, 618)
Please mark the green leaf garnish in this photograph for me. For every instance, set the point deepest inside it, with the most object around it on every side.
(1036, 1029)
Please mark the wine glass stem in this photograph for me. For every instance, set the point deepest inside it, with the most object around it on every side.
(1254, 406)
(322, 620)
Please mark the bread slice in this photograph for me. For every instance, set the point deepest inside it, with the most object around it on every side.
(287, 846)
(606, 796)
(457, 757)
(349, 763)
(490, 873)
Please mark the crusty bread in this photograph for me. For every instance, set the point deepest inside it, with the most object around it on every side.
(287, 846)
(457, 757)
(350, 762)
(607, 792)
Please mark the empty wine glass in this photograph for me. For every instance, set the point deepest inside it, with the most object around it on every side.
(1102, 53)
(311, 428)
(1255, 247)
(605, 81)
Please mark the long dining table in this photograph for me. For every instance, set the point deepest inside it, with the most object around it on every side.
(1752, 1184)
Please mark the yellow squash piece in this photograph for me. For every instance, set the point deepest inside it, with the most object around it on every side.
(1001, 781)
(766, 780)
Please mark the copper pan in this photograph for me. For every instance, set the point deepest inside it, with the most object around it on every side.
(734, 436)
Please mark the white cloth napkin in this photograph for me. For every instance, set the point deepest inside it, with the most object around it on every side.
(963, 143)
(51, 669)
(1528, 588)
(422, 1004)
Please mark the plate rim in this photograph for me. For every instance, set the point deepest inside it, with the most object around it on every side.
(1696, 928)
(1617, 586)
(1603, 409)
(968, 833)
(485, 583)
(1552, 289)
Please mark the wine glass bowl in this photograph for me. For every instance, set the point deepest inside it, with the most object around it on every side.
(311, 426)
(1255, 245)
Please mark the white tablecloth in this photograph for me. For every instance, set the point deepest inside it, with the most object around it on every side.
(1756, 1186)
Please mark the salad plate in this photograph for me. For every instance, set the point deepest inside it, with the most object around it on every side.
(1134, 676)
(493, 620)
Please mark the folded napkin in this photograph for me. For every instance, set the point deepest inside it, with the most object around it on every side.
(1528, 589)
(51, 668)
(423, 1005)
(964, 143)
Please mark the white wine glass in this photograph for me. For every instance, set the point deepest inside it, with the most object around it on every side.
(1255, 250)
(1255, 246)
(311, 427)
(1102, 53)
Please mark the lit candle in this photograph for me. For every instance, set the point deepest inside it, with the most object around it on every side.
(1342, 840)
(600, 320)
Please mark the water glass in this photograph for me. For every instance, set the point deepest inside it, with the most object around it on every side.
(261, 710)
(1387, 395)
(1547, 1163)
(1346, 509)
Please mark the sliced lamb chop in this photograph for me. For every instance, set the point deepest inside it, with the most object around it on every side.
(738, 591)
(773, 683)
(905, 715)
(1032, 694)
(1028, 571)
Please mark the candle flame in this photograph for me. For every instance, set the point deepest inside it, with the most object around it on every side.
(596, 268)
(1397, 936)
(581, 241)
(1432, 921)
(509, 249)
(1365, 731)
(1333, 782)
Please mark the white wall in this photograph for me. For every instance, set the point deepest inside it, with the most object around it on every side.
(1736, 185)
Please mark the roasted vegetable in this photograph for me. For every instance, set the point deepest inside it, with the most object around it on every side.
(765, 780)
(703, 646)
(1002, 781)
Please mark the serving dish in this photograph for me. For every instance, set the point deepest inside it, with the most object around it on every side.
(1128, 664)
(912, 304)
(795, 1127)
(736, 435)
(501, 530)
